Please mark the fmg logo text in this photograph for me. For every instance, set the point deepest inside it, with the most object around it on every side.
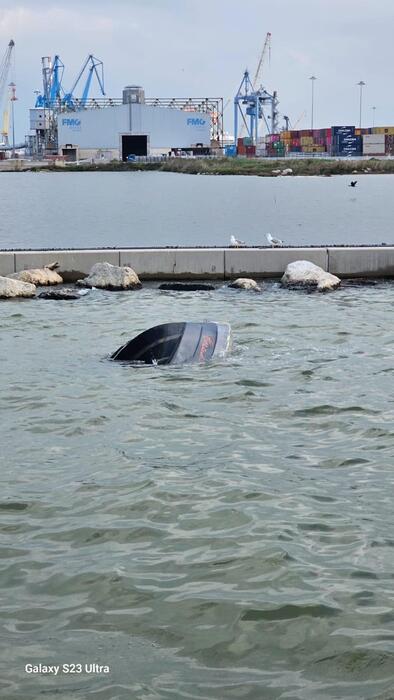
(73, 123)
(196, 121)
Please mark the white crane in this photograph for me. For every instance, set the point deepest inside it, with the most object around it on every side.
(258, 76)
(257, 80)
(4, 72)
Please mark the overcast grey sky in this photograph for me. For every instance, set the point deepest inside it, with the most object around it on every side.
(200, 48)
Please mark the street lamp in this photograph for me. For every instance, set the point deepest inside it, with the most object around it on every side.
(361, 84)
(373, 117)
(13, 98)
(312, 79)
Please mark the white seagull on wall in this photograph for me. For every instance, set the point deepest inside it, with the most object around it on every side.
(274, 242)
(236, 243)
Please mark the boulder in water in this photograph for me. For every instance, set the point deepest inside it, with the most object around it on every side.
(112, 277)
(64, 293)
(245, 283)
(10, 288)
(42, 276)
(303, 273)
(185, 287)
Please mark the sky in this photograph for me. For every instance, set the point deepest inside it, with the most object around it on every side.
(198, 48)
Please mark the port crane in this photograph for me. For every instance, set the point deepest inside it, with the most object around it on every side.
(257, 80)
(54, 99)
(289, 125)
(252, 98)
(52, 76)
(54, 96)
(95, 67)
(249, 107)
(4, 73)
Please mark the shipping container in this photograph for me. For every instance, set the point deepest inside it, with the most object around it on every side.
(374, 149)
(230, 151)
(374, 138)
(343, 130)
(389, 144)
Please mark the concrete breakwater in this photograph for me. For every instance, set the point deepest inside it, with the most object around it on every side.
(207, 263)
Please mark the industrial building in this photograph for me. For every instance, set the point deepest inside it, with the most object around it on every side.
(132, 128)
(117, 128)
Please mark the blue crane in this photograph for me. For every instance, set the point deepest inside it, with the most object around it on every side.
(249, 104)
(95, 67)
(52, 76)
(53, 94)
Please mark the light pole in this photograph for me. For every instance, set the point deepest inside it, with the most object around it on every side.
(312, 79)
(361, 84)
(373, 117)
(13, 98)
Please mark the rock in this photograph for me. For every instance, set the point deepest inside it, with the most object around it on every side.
(359, 282)
(245, 283)
(303, 273)
(107, 276)
(10, 288)
(287, 171)
(181, 287)
(41, 276)
(64, 293)
(276, 172)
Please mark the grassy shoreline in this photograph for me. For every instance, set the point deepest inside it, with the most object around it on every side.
(240, 166)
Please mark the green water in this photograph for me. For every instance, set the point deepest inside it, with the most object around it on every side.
(218, 531)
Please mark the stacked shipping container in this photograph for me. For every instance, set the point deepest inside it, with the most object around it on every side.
(337, 141)
(245, 147)
(345, 142)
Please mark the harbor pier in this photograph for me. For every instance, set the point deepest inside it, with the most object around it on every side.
(208, 263)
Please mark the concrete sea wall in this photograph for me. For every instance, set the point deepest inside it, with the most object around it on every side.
(208, 263)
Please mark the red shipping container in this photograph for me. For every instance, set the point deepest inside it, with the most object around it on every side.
(250, 150)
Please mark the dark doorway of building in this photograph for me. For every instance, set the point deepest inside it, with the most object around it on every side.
(134, 145)
(70, 153)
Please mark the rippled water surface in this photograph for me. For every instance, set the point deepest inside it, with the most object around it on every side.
(60, 210)
(217, 531)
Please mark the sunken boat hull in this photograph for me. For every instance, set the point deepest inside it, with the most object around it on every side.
(177, 343)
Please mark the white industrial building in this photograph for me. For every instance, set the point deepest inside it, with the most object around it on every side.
(131, 128)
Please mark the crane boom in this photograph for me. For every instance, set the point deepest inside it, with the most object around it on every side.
(259, 70)
(4, 69)
(4, 72)
(94, 64)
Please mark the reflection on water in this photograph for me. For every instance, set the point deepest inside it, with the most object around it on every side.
(215, 531)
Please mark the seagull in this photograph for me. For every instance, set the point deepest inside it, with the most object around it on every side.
(236, 243)
(353, 183)
(274, 242)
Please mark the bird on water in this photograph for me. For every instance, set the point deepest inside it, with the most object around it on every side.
(353, 183)
(236, 243)
(274, 242)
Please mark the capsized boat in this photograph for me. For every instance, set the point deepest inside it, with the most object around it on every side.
(177, 343)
